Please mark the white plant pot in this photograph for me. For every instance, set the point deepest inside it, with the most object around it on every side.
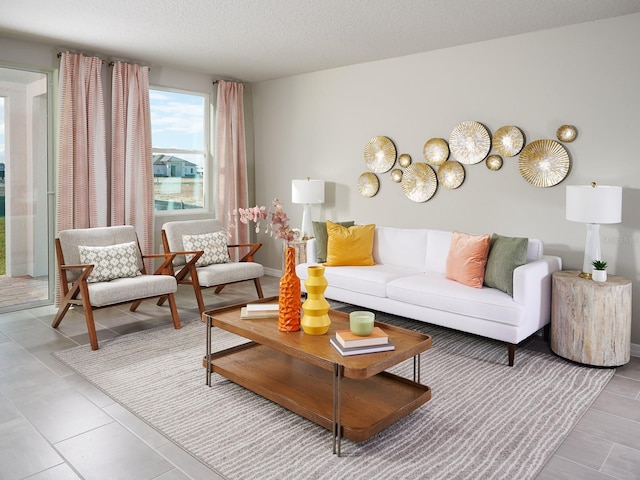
(599, 275)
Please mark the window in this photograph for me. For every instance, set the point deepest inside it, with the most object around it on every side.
(179, 145)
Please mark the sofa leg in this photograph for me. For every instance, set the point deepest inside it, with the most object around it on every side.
(512, 353)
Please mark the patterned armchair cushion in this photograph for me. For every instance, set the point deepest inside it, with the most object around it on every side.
(214, 246)
(110, 262)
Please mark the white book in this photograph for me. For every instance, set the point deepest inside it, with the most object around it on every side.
(262, 307)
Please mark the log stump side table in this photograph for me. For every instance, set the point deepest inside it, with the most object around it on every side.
(591, 321)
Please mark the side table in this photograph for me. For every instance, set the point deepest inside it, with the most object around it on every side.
(591, 321)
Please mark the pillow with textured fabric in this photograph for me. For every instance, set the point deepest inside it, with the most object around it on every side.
(350, 245)
(214, 246)
(321, 236)
(505, 255)
(111, 261)
(467, 258)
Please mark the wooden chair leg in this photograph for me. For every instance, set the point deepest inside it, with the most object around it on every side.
(135, 305)
(256, 281)
(62, 311)
(161, 300)
(512, 353)
(219, 288)
(174, 311)
(91, 326)
(199, 299)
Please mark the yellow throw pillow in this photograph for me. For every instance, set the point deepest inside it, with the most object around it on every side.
(351, 246)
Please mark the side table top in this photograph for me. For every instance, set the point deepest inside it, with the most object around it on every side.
(573, 276)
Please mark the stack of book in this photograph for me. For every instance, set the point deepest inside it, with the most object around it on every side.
(347, 343)
(259, 310)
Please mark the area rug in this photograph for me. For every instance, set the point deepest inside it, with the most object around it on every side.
(485, 419)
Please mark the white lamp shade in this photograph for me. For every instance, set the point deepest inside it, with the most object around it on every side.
(594, 204)
(307, 191)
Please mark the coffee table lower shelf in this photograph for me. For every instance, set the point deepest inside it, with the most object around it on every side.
(368, 406)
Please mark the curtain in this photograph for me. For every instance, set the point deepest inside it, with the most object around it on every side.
(82, 199)
(231, 157)
(131, 166)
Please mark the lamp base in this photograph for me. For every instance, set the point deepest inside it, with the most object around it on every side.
(585, 275)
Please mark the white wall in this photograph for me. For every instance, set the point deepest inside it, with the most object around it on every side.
(587, 75)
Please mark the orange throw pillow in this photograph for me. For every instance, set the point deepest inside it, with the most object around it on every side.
(350, 245)
(468, 258)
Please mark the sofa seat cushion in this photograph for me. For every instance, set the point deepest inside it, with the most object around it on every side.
(370, 280)
(434, 290)
(222, 273)
(123, 290)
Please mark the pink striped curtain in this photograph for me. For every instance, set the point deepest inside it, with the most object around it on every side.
(231, 156)
(131, 166)
(82, 196)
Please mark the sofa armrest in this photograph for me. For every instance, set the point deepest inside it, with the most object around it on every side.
(532, 287)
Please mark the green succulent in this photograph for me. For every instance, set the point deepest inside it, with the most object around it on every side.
(599, 264)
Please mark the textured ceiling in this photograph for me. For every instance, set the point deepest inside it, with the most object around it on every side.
(255, 40)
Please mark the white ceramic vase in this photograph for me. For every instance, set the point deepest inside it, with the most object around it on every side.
(599, 275)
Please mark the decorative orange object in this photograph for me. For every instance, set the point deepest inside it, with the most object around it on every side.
(315, 320)
(289, 298)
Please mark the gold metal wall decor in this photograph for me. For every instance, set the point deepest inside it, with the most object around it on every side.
(380, 154)
(508, 141)
(436, 151)
(419, 182)
(494, 162)
(544, 163)
(567, 133)
(470, 142)
(404, 160)
(396, 175)
(451, 174)
(368, 184)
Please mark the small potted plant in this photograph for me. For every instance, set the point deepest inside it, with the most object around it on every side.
(599, 272)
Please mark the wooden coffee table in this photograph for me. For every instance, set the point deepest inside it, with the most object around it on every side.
(354, 397)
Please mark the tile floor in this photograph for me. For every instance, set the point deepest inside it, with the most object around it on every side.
(55, 425)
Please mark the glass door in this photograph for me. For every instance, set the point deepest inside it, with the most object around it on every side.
(25, 205)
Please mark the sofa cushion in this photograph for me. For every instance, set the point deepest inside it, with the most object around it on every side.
(370, 280)
(321, 236)
(467, 258)
(505, 255)
(404, 247)
(434, 290)
(111, 261)
(350, 245)
(213, 244)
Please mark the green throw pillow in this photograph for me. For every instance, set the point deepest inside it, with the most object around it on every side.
(322, 237)
(505, 255)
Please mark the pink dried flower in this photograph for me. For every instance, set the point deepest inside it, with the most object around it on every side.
(279, 226)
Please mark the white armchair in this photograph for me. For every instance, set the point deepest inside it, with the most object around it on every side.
(99, 267)
(202, 257)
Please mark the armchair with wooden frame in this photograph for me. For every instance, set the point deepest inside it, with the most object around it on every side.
(218, 275)
(114, 274)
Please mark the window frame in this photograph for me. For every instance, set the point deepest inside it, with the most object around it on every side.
(207, 173)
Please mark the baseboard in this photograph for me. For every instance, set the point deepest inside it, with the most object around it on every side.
(272, 272)
(635, 350)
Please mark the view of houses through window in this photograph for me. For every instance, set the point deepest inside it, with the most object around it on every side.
(179, 142)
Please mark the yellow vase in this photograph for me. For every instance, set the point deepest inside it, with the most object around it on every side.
(289, 298)
(315, 319)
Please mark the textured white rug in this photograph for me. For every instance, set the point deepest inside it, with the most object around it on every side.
(485, 420)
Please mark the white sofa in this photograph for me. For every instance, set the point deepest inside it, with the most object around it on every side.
(409, 280)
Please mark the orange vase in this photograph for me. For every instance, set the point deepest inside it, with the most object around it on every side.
(289, 298)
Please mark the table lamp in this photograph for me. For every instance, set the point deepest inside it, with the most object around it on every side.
(307, 192)
(593, 204)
